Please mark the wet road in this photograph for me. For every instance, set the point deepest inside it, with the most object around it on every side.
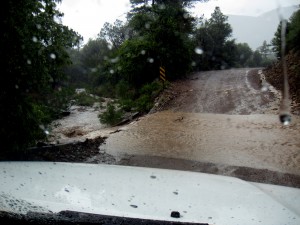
(236, 91)
(220, 117)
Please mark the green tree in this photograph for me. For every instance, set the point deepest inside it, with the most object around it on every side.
(33, 53)
(160, 36)
(293, 35)
(257, 58)
(115, 33)
(243, 54)
(211, 37)
(276, 41)
(265, 50)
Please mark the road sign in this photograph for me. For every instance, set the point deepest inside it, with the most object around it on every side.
(162, 73)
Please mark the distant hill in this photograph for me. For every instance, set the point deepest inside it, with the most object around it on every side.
(254, 30)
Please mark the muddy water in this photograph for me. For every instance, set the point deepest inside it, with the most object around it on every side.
(257, 141)
(220, 117)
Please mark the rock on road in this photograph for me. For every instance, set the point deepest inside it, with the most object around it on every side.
(218, 117)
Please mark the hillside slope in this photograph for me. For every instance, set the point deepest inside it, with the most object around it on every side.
(274, 75)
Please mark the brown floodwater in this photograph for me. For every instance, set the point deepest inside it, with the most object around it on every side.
(257, 141)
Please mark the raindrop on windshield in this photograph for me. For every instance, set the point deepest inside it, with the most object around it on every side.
(198, 50)
(143, 52)
(147, 25)
(186, 15)
(110, 46)
(150, 60)
(34, 39)
(285, 119)
(111, 71)
(162, 6)
(115, 60)
(52, 56)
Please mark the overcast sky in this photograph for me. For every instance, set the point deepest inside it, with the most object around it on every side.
(88, 16)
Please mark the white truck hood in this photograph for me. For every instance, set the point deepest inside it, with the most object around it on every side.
(145, 193)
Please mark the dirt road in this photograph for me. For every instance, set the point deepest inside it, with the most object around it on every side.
(237, 91)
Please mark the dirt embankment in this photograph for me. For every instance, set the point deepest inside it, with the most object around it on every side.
(274, 75)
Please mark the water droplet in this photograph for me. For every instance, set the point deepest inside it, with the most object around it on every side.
(16, 86)
(147, 25)
(34, 39)
(143, 52)
(150, 60)
(193, 63)
(186, 15)
(52, 56)
(264, 88)
(66, 190)
(285, 119)
(110, 46)
(38, 26)
(46, 132)
(198, 50)
(153, 177)
(175, 192)
(134, 206)
(162, 6)
(93, 70)
(115, 60)
(112, 71)
(28, 61)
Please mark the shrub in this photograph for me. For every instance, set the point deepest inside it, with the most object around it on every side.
(144, 103)
(84, 99)
(111, 116)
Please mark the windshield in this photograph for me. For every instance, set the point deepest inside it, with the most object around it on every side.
(189, 85)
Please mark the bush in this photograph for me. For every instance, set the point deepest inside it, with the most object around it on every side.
(111, 116)
(144, 103)
(84, 99)
(127, 104)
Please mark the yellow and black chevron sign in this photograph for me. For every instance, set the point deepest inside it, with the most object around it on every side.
(162, 73)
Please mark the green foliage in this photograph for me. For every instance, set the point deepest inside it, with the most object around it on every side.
(137, 62)
(147, 95)
(84, 99)
(124, 90)
(244, 54)
(144, 103)
(111, 116)
(127, 104)
(292, 35)
(212, 38)
(144, 100)
(115, 33)
(33, 52)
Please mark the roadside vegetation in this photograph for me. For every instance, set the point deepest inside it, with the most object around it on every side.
(46, 61)
(274, 73)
